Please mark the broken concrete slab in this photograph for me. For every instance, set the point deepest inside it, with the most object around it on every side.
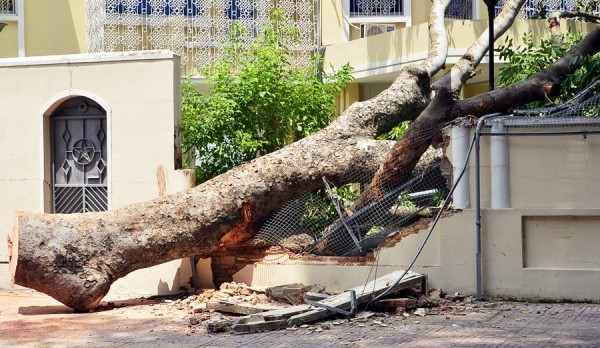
(298, 315)
(240, 308)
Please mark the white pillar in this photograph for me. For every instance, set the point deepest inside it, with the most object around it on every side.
(21, 27)
(460, 138)
(500, 166)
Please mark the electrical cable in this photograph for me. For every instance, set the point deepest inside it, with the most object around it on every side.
(431, 227)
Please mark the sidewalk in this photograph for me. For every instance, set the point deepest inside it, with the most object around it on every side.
(31, 319)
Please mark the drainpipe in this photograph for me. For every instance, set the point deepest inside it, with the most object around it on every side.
(499, 166)
(460, 138)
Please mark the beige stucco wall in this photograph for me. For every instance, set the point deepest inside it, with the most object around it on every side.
(139, 91)
(545, 172)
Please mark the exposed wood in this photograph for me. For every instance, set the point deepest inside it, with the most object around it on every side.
(303, 314)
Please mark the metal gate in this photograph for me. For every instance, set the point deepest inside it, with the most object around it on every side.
(78, 151)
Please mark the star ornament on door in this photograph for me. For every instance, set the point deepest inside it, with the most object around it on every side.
(83, 151)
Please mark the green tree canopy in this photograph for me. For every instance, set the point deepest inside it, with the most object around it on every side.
(259, 100)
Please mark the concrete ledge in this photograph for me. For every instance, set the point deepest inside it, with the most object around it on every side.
(87, 58)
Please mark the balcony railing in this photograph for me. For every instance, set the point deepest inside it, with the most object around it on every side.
(8, 7)
(543, 8)
(376, 8)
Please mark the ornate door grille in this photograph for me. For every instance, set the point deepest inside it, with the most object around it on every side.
(79, 164)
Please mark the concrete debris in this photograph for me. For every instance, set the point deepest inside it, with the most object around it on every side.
(231, 297)
(263, 312)
(293, 293)
(218, 324)
(300, 315)
(394, 304)
(420, 312)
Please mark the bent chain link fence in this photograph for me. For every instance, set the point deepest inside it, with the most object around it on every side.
(325, 223)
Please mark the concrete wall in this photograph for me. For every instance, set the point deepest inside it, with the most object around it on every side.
(139, 91)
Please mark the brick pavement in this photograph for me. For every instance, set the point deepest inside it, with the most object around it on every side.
(30, 319)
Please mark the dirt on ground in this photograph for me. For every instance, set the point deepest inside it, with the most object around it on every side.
(31, 319)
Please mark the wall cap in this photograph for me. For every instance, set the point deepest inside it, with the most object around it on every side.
(103, 57)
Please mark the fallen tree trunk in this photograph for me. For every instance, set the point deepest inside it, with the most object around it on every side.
(75, 258)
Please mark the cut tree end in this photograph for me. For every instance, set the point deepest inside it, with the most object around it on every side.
(67, 275)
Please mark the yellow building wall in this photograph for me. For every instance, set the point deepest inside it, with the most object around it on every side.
(9, 46)
(54, 27)
(420, 11)
(332, 22)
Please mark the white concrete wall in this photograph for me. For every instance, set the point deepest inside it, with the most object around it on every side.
(140, 92)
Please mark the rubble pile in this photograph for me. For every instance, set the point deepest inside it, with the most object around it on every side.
(410, 302)
(228, 293)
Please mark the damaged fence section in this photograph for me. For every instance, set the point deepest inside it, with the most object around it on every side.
(324, 223)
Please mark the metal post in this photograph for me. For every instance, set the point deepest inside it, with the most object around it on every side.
(479, 294)
(499, 166)
(491, 4)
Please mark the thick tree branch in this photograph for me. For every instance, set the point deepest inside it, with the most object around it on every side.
(438, 38)
(401, 160)
(464, 69)
(575, 14)
(545, 84)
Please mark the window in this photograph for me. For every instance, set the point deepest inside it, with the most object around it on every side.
(359, 8)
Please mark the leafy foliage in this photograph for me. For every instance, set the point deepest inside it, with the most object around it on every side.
(259, 102)
(396, 133)
(523, 62)
(588, 6)
(320, 210)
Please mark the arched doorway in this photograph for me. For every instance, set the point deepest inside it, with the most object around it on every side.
(78, 157)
